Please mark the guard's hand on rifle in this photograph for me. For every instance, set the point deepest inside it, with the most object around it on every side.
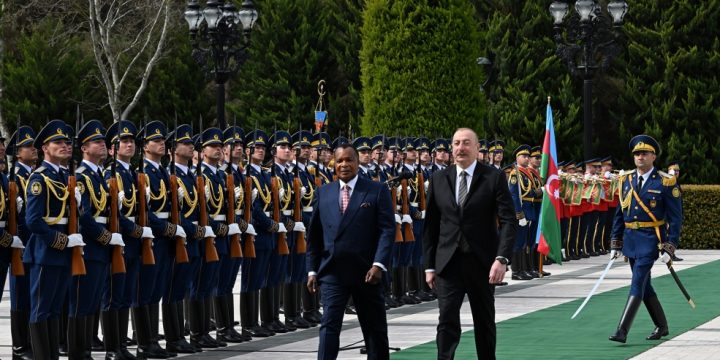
(281, 228)
(237, 191)
(209, 232)
(427, 185)
(147, 233)
(666, 258)
(17, 243)
(398, 219)
(179, 231)
(116, 239)
(254, 194)
(233, 229)
(207, 190)
(250, 230)
(281, 193)
(20, 202)
(147, 194)
(303, 191)
(299, 226)
(407, 219)
(78, 196)
(181, 194)
(75, 240)
(121, 198)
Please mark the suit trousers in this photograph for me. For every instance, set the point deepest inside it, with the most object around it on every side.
(463, 275)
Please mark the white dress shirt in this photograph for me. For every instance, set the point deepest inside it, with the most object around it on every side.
(470, 171)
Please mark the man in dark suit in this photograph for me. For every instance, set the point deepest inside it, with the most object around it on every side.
(470, 225)
(350, 237)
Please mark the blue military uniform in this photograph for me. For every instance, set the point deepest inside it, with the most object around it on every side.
(649, 218)
(362, 144)
(522, 191)
(46, 253)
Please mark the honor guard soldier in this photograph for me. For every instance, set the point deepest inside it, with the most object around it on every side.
(407, 197)
(418, 189)
(49, 248)
(674, 170)
(184, 275)
(440, 151)
(321, 143)
(277, 276)
(303, 193)
(265, 243)
(379, 155)
(608, 203)
(483, 157)
(496, 152)
(590, 207)
(522, 192)
(649, 219)
(121, 289)
(20, 147)
(362, 145)
(154, 279)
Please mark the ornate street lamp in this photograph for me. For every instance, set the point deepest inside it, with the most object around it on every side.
(587, 40)
(220, 36)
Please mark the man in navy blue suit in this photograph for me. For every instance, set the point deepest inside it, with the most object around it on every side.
(351, 233)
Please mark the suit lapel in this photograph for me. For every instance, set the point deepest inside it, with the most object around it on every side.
(451, 176)
(356, 198)
(475, 180)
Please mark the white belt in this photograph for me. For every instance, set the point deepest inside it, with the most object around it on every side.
(131, 218)
(220, 217)
(238, 211)
(308, 209)
(62, 221)
(101, 220)
(414, 204)
(267, 213)
(287, 212)
(162, 215)
(2, 224)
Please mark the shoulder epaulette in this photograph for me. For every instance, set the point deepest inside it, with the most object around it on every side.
(667, 179)
(40, 169)
(266, 169)
(81, 169)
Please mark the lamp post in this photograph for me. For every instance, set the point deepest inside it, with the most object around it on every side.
(220, 36)
(587, 41)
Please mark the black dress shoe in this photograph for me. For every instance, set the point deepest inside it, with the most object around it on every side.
(545, 273)
(620, 336)
(521, 275)
(257, 331)
(151, 351)
(658, 333)
(310, 318)
(97, 344)
(584, 255)
(534, 274)
(180, 347)
(202, 342)
(423, 296)
(675, 258)
(289, 326)
(408, 299)
(298, 322)
(350, 310)
(217, 342)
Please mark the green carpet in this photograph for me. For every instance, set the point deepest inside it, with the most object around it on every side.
(550, 334)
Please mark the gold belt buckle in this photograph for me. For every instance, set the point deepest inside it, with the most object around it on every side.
(634, 225)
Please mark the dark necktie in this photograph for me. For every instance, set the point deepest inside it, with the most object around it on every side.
(462, 192)
(640, 182)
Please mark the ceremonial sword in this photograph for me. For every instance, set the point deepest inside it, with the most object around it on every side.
(597, 283)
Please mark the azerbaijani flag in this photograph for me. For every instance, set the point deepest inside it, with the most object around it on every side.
(548, 234)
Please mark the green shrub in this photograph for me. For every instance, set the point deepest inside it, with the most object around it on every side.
(700, 229)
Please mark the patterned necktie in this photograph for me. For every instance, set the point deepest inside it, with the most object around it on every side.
(462, 192)
(344, 198)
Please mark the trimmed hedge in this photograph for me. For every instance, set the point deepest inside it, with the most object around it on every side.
(701, 228)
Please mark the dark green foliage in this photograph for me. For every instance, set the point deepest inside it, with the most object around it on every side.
(699, 207)
(419, 70)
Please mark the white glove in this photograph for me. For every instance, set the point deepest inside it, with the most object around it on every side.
(233, 229)
(121, 197)
(427, 185)
(17, 243)
(398, 219)
(671, 172)
(523, 222)
(209, 232)
(665, 258)
(422, 216)
(254, 195)
(147, 194)
(147, 233)
(207, 191)
(179, 231)
(299, 226)
(281, 228)
(75, 240)
(250, 230)
(238, 191)
(407, 219)
(303, 191)
(78, 196)
(181, 194)
(20, 202)
(615, 254)
(399, 190)
(281, 192)
(116, 239)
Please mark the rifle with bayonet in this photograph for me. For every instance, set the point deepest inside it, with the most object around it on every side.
(407, 227)
(301, 246)
(77, 262)
(17, 267)
(118, 261)
(181, 254)
(235, 248)
(249, 250)
(393, 195)
(211, 254)
(274, 191)
(147, 254)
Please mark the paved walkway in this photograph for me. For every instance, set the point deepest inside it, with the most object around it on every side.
(413, 325)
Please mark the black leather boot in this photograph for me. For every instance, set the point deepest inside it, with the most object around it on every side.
(146, 348)
(396, 286)
(123, 323)
(223, 323)
(155, 336)
(266, 313)
(21, 349)
(631, 308)
(76, 335)
(197, 323)
(40, 340)
(230, 305)
(207, 327)
(111, 335)
(517, 267)
(658, 317)
(174, 339)
(57, 328)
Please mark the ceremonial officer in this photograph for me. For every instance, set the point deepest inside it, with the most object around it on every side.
(649, 219)
(121, 288)
(441, 155)
(534, 167)
(418, 189)
(379, 155)
(154, 279)
(265, 243)
(48, 251)
(362, 145)
(674, 170)
(482, 156)
(522, 192)
(407, 195)
(184, 275)
(304, 191)
(496, 152)
(21, 148)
